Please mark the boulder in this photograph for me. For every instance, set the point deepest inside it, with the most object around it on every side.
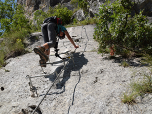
(79, 15)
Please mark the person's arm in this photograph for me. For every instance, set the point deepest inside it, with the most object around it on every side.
(68, 36)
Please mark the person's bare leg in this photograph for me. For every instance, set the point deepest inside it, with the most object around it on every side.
(47, 52)
(46, 46)
(47, 49)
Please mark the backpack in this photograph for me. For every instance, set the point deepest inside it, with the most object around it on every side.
(53, 19)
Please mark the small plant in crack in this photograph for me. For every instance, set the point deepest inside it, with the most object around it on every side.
(129, 98)
(124, 64)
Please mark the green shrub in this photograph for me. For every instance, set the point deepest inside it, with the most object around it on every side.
(19, 20)
(13, 45)
(144, 86)
(138, 88)
(2, 53)
(39, 17)
(59, 11)
(125, 64)
(83, 4)
(129, 98)
(7, 10)
(88, 21)
(64, 14)
(74, 2)
(115, 27)
(147, 59)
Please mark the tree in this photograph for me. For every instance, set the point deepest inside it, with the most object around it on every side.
(7, 10)
(116, 27)
(19, 21)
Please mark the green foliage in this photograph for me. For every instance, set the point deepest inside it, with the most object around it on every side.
(129, 98)
(144, 86)
(15, 27)
(2, 53)
(7, 10)
(125, 64)
(12, 18)
(88, 21)
(115, 27)
(59, 11)
(64, 14)
(12, 46)
(84, 22)
(138, 88)
(147, 59)
(74, 2)
(39, 16)
(83, 4)
(19, 20)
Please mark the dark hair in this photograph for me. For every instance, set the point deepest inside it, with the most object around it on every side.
(62, 37)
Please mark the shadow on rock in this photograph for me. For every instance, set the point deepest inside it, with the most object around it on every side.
(130, 61)
(30, 109)
(79, 61)
(53, 76)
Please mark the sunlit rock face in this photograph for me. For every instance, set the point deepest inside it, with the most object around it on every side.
(93, 7)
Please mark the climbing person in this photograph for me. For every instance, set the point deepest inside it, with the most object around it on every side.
(51, 28)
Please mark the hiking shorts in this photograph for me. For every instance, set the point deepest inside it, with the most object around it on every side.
(49, 33)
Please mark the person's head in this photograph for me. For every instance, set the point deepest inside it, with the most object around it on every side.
(61, 35)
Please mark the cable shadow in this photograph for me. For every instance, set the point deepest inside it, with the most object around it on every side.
(53, 76)
(79, 61)
(74, 92)
(83, 62)
(55, 92)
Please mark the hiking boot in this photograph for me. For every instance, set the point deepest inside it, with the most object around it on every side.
(40, 51)
(42, 48)
(42, 63)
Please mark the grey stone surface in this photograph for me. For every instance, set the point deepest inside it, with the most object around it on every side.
(95, 84)
(79, 15)
(93, 7)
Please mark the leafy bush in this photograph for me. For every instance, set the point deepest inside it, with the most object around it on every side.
(59, 11)
(64, 14)
(144, 86)
(7, 10)
(19, 20)
(88, 21)
(74, 2)
(39, 17)
(13, 44)
(147, 59)
(115, 27)
(80, 3)
(2, 53)
(83, 4)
